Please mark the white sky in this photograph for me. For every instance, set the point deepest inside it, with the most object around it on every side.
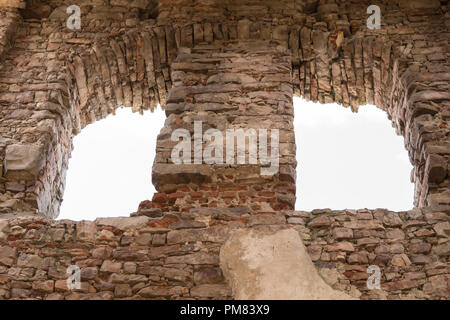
(345, 160)
(110, 170)
(350, 160)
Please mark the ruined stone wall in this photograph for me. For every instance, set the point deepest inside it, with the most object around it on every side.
(231, 64)
(9, 22)
(55, 81)
(411, 249)
(152, 256)
(139, 257)
(227, 87)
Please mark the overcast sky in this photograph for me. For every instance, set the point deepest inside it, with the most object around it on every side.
(345, 160)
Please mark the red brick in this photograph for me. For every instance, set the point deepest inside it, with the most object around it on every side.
(196, 194)
(164, 223)
(229, 194)
(266, 200)
(176, 195)
(246, 194)
(159, 198)
(282, 206)
(291, 189)
(146, 204)
(353, 275)
(233, 188)
(183, 189)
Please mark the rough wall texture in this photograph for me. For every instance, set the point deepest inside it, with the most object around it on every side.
(55, 81)
(233, 85)
(176, 255)
(268, 265)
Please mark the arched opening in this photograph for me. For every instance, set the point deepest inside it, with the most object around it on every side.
(110, 166)
(350, 160)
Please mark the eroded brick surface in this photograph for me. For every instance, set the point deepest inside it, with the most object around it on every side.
(177, 256)
(230, 63)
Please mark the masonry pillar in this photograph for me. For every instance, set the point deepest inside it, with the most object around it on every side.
(234, 87)
(422, 116)
(35, 121)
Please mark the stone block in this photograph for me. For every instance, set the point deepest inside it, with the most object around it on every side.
(436, 168)
(211, 291)
(124, 223)
(86, 230)
(182, 174)
(23, 162)
(419, 4)
(13, 3)
(276, 263)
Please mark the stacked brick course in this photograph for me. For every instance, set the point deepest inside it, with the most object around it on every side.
(256, 55)
(241, 86)
(176, 255)
(55, 81)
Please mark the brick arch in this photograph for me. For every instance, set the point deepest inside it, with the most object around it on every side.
(106, 72)
(123, 72)
(92, 83)
(371, 68)
(41, 110)
(131, 70)
(390, 70)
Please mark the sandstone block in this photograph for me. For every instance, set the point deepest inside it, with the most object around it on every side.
(438, 285)
(110, 266)
(208, 276)
(162, 291)
(341, 246)
(420, 4)
(122, 290)
(195, 258)
(442, 229)
(44, 286)
(181, 174)
(7, 255)
(13, 3)
(23, 162)
(211, 290)
(86, 230)
(124, 223)
(30, 261)
(322, 221)
(276, 263)
(342, 233)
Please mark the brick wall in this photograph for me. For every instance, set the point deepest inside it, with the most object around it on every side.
(176, 255)
(231, 86)
(55, 81)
